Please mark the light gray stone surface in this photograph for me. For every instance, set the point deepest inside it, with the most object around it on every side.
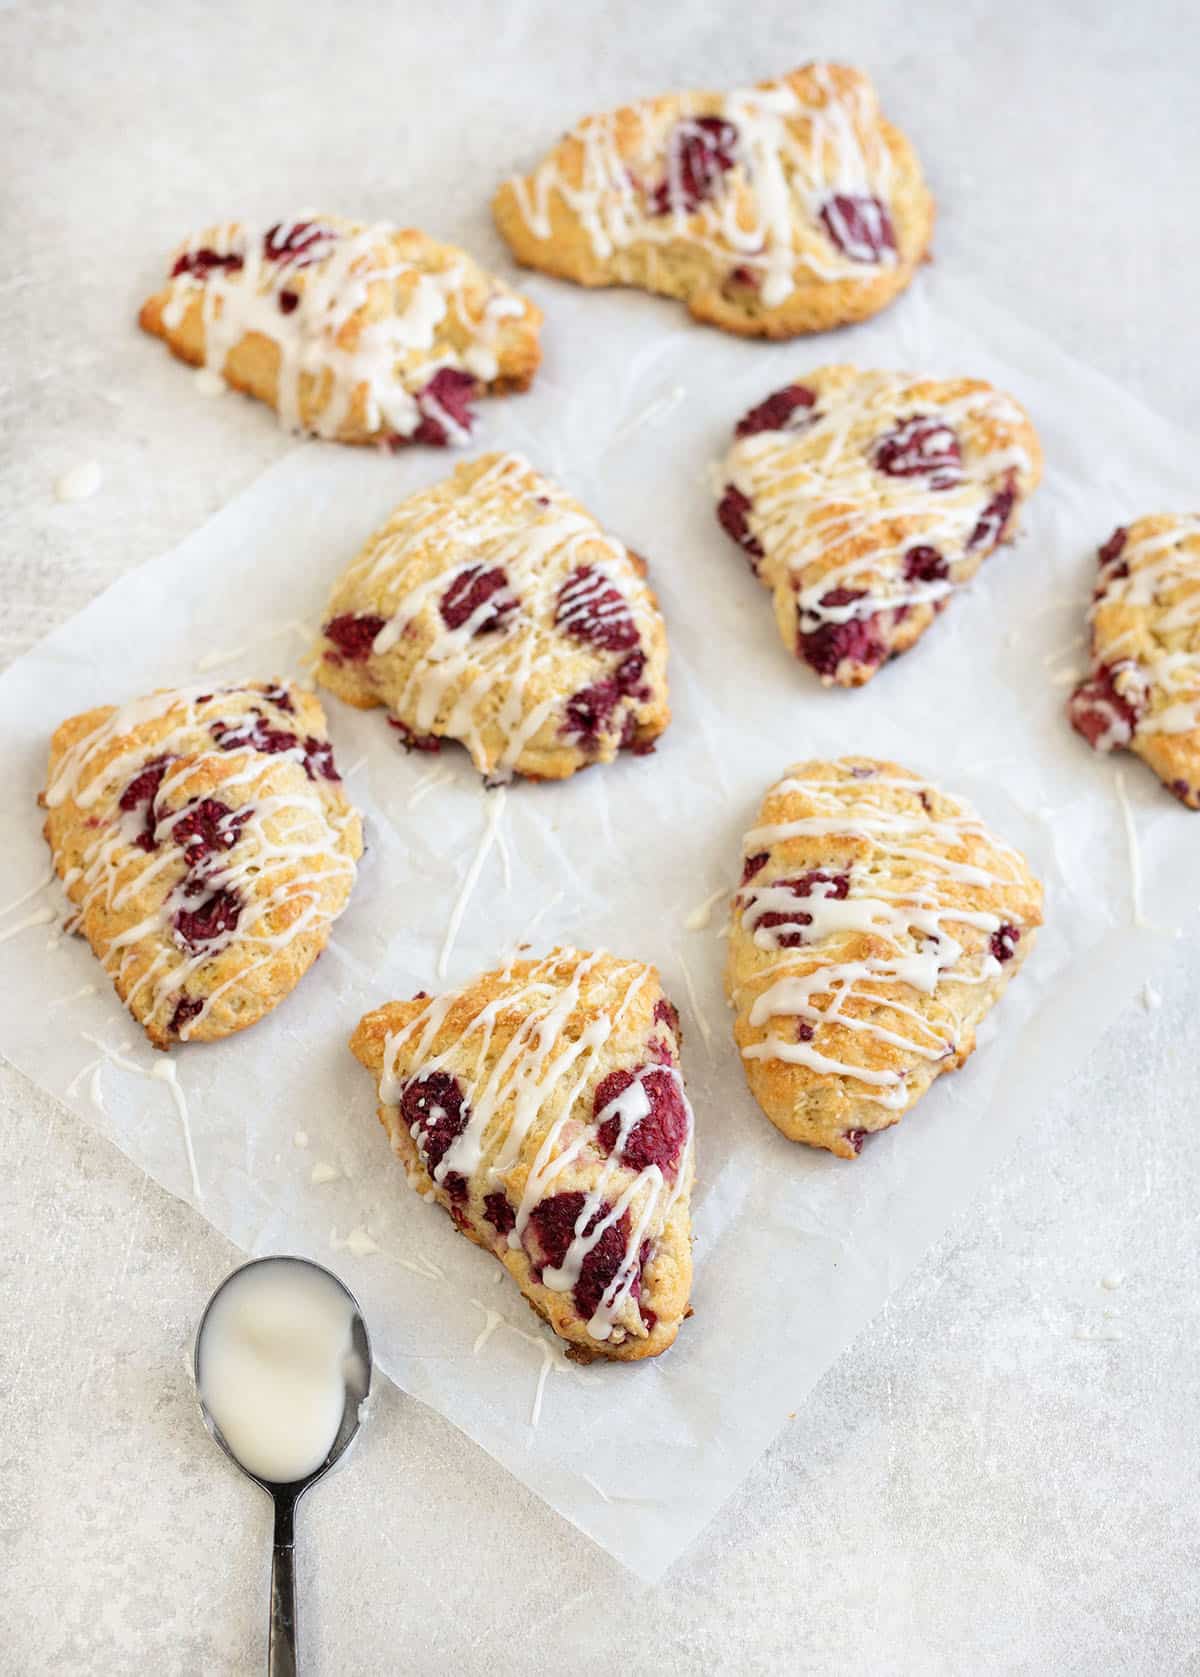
(1001, 1476)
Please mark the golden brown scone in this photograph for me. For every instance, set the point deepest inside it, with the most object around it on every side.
(542, 1106)
(203, 836)
(876, 923)
(1143, 693)
(361, 334)
(494, 610)
(783, 208)
(864, 499)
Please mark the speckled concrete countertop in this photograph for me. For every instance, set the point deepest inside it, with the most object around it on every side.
(1001, 1475)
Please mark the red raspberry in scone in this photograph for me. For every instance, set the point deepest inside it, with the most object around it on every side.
(543, 1107)
(492, 609)
(864, 499)
(877, 921)
(360, 334)
(1143, 691)
(788, 207)
(204, 838)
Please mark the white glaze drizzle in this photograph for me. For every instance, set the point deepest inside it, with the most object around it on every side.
(694, 1000)
(795, 150)
(504, 1103)
(273, 836)
(369, 324)
(1134, 851)
(815, 493)
(699, 917)
(36, 917)
(512, 518)
(80, 483)
(908, 911)
(491, 829)
(163, 1071)
(360, 1242)
(28, 896)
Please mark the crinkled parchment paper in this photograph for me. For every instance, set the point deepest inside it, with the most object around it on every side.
(794, 1250)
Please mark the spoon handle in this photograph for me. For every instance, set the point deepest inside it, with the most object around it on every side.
(281, 1652)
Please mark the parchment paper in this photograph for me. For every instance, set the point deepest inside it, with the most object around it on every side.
(794, 1251)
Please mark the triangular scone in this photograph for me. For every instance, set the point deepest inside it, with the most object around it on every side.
(356, 333)
(864, 499)
(206, 842)
(773, 210)
(1143, 692)
(876, 923)
(542, 1106)
(494, 610)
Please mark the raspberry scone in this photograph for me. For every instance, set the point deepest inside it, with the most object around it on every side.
(542, 1106)
(1143, 693)
(788, 207)
(876, 923)
(204, 838)
(864, 499)
(492, 609)
(360, 334)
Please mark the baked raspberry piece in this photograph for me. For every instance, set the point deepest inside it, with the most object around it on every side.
(659, 1137)
(925, 564)
(299, 243)
(212, 922)
(784, 410)
(532, 1106)
(1106, 718)
(733, 512)
(318, 759)
(860, 227)
(353, 634)
(922, 447)
(447, 408)
(186, 1009)
(499, 1213)
(204, 261)
(993, 521)
(819, 883)
(856, 644)
(1003, 942)
(253, 733)
(205, 828)
(700, 151)
(591, 609)
(414, 742)
(492, 610)
(666, 1013)
(432, 1107)
(479, 596)
(867, 503)
(357, 333)
(140, 794)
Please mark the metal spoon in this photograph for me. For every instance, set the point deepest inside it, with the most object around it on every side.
(281, 1652)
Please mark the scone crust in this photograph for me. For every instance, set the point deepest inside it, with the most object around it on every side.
(861, 559)
(527, 1047)
(344, 330)
(588, 213)
(207, 845)
(876, 923)
(1142, 693)
(561, 663)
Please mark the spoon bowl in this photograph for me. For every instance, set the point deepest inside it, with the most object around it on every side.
(354, 1367)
